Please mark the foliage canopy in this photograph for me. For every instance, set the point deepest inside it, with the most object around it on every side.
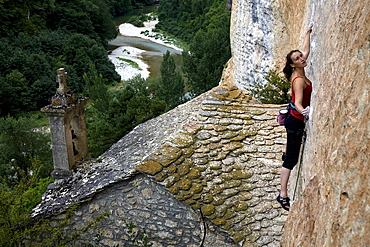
(205, 25)
(110, 114)
(274, 91)
(22, 144)
(38, 37)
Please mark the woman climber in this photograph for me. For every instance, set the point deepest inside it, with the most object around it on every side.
(301, 88)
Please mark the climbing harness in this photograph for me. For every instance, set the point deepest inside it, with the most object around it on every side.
(300, 162)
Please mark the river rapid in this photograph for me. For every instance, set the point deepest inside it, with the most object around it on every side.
(134, 53)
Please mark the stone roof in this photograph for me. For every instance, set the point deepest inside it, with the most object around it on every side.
(117, 163)
(226, 162)
(219, 153)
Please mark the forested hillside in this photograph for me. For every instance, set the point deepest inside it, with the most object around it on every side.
(38, 37)
(205, 26)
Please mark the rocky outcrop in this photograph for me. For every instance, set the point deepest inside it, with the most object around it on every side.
(251, 40)
(334, 208)
(333, 191)
(262, 32)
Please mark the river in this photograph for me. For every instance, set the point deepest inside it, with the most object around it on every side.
(134, 53)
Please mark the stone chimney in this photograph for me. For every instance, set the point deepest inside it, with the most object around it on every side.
(68, 128)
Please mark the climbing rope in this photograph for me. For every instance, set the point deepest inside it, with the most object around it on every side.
(204, 228)
(300, 162)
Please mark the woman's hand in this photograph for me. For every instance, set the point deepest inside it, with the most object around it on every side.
(306, 111)
(306, 46)
(309, 29)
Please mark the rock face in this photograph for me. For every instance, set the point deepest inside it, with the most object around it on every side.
(251, 40)
(333, 209)
(262, 32)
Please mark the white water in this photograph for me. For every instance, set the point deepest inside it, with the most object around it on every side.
(125, 69)
(127, 29)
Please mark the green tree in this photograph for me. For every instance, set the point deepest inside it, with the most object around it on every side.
(119, 7)
(16, 202)
(183, 18)
(171, 83)
(138, 103)
(80, 51)
(37, 57)
(39, 37)
(89, 17)
(101, 131)
(21, 142)
(13, 93)
(205, 24)
(23, 16)
(110, 114)
(209, 50)
(274, 91)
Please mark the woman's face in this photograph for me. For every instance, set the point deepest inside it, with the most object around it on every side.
(298, 60)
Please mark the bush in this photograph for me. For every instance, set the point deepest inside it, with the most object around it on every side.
(22, 143)
(16, 202)
(110, 114)
(138, 21)
(274, 91)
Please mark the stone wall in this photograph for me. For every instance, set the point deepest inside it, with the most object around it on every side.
(334, 210)
(333, 191)
(150, 207)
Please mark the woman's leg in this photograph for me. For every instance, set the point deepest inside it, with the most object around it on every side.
(284, 178)
(294, 128)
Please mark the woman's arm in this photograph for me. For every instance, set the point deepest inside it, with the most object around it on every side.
(306, 46)
(298, 87)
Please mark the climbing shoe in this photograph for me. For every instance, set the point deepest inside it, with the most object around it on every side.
(284, 202)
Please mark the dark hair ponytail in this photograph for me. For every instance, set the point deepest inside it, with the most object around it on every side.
(288, 70)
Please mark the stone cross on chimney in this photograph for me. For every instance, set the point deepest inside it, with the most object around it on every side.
(62, 80)
(68, 128)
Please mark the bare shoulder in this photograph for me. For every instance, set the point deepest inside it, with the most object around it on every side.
(297, 79)
(298, 82)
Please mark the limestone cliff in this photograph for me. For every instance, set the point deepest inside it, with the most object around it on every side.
(333, 209)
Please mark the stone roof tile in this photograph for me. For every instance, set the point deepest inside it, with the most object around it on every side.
(232, 173)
